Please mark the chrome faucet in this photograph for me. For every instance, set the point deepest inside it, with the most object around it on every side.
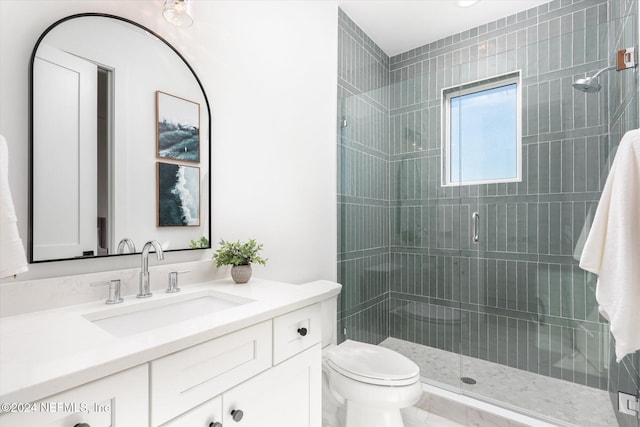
(128, 243)
(144, 291)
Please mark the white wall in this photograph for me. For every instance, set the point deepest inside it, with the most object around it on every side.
(269, 69)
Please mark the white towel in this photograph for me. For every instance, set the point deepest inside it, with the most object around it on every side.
(612, 250)
(12, 258)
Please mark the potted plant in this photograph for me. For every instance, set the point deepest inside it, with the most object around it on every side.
(240, 256)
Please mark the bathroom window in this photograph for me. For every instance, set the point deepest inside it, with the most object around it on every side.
(482, 140)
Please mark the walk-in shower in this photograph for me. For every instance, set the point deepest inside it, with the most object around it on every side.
(511, 319)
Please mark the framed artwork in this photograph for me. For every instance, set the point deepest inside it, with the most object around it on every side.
(178, 128)
(178, 195)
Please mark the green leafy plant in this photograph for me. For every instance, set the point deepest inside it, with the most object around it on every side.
(202, 242)
(236, 253)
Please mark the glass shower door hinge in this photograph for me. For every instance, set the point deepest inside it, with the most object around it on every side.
(628, 404)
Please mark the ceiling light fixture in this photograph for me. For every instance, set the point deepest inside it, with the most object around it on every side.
(467, 3)
(178, 12)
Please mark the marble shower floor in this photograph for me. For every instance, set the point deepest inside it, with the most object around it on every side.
(573, 404)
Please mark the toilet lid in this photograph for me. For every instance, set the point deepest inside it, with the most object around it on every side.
(373, 364)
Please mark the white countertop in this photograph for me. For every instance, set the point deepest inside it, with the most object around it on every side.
(46, 352)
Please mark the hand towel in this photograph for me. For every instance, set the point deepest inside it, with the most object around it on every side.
(12, 257)
(612, 249)
(582, 238)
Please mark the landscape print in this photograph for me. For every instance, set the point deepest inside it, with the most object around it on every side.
(178, 131)
(178, 195)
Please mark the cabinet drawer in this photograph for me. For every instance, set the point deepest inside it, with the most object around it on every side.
(192, 376)
(296, 331)
(204, 415)
(117, 400)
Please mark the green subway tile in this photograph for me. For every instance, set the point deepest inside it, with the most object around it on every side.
(492, 295)
(555, 228)
(532, 287)
(523, 344)
(502, 341)
(555, 293)
(511, 227)
(555, 351)
(566, 283)
(448, 278)
(512, 290)
(567, 165)
(579, 293)
(567, 239)
(521, 286)
(533, 364)
(544, 290)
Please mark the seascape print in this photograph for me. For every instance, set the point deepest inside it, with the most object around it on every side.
(178, 128)
(178, 195)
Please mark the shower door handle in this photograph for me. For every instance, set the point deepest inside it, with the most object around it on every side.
(475, 217)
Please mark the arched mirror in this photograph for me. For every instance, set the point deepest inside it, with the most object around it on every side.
(119, 142)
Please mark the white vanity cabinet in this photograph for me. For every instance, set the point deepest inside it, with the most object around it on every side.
(259, 365)
(269, 374)
(121, 399)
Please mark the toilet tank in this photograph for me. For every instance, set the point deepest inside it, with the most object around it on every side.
(329, 313)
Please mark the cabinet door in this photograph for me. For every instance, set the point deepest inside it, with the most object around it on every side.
(288, 395)
(118, 400)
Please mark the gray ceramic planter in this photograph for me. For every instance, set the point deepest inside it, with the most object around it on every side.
(241, 273)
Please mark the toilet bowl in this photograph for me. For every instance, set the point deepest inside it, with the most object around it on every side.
(369, 384)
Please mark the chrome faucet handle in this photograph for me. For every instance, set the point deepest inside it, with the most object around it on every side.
(114, 290)
(173, 281)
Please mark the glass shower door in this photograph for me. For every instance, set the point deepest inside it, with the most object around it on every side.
(532, 339)
(424, 315)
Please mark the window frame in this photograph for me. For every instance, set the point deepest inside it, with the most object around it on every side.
(514, 77)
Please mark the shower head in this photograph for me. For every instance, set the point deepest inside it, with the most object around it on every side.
(587, 85)
(590, 84)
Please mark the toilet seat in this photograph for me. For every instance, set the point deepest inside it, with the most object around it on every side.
(373, 364)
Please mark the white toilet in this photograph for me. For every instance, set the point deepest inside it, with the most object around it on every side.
(365, 385)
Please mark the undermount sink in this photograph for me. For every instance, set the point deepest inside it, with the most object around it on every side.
(126, 321)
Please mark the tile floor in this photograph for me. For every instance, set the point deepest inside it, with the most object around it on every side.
(561, 402)
(415, 417)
